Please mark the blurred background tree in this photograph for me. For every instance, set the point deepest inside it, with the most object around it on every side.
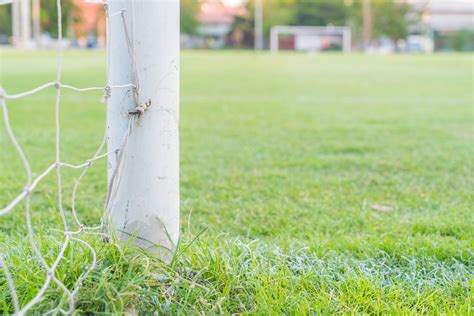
(49, 16)
(277, 12)
(390, 18)
(5, 19)
(189, 22)
(322, 12)
(242, 33)
(463, 41)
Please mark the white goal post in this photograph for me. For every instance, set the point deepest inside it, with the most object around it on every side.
(141, 95)
(145, 51)
(308, 31)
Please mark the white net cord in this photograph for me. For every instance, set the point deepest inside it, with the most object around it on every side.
(71, 235)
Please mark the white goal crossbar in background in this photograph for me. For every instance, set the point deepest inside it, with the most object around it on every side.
(309, 37)
(142, 98)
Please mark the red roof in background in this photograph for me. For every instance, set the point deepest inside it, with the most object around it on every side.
(213, 12)
(90, 14)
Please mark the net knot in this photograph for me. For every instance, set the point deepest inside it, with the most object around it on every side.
(57, 84)
(2, 93)
(27, 190)
(50, 273)
(88, 162)
(107, 92)
(139, 110)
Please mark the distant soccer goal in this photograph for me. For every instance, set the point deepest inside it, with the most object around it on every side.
(310, 38)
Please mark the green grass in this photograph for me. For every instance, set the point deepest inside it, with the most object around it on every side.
(282, 157)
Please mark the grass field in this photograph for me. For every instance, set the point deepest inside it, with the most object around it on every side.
(282, 158)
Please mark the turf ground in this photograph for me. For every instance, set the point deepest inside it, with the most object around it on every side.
(282, 159)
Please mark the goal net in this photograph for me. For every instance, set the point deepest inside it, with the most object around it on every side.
(73, 228)
(310, 38)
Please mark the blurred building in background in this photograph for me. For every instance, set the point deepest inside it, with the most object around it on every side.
(216, 20)
(444, 25)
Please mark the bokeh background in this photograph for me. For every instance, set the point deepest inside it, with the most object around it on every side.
(384, 26)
